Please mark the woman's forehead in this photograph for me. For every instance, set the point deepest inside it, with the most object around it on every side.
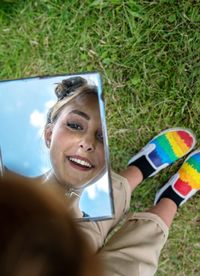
(88, 98)
(88, 104)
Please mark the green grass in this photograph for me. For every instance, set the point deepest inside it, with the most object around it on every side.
(149, 58)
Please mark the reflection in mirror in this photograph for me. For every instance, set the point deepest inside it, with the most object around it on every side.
(54, 129)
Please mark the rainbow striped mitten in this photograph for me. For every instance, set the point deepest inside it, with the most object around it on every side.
(163, 150)
(185, 183)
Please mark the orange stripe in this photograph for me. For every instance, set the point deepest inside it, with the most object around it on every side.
(190, 175)
(178, 145)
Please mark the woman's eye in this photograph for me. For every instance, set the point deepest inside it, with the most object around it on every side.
(75, 126)
(100, 137)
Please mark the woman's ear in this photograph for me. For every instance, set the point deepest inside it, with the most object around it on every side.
(48, 134)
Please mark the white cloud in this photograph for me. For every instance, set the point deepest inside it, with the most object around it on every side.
(49, 104)
(101, 185)
(38, 119)
(91, 191)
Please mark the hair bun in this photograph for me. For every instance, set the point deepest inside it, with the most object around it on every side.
(67, 86)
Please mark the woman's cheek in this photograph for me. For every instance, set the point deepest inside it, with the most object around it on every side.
(62, 135)
(101, 156)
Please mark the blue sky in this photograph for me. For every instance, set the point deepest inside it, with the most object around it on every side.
(21, 138)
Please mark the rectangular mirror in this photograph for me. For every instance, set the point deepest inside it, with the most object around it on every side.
(54, 129)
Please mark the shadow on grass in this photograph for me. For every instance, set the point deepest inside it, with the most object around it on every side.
(9, 6)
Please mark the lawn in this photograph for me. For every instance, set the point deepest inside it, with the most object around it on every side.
(148, 55)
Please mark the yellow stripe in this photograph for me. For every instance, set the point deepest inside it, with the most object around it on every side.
(190, 175)
(178, 145)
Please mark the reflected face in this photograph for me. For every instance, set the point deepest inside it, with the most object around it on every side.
(76, 142)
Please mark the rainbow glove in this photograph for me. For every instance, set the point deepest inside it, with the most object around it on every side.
(163, 150)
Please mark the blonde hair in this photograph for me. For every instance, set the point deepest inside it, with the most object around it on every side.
(68, 90)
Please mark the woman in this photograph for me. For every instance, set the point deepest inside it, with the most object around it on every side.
(73, 134)
(74, 137)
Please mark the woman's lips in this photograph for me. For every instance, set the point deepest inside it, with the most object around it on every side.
(80, 163)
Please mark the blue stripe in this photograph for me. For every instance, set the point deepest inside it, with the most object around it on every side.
(163, 154)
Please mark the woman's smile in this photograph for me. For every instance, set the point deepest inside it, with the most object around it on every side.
(80, 163)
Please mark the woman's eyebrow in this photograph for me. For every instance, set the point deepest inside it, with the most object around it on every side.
(80, 113)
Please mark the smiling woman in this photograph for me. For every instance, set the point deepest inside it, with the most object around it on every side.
(73, 134)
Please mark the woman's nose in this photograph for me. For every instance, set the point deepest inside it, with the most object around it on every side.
(87, 145)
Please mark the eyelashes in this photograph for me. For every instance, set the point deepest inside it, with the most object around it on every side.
(74, 126)
(100, 137)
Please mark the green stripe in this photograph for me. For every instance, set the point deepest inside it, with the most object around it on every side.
(166, 146)
(194, 164)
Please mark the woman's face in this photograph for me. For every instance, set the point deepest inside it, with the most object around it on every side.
(76, 142)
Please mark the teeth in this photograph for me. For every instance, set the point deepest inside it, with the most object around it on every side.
(81, 162)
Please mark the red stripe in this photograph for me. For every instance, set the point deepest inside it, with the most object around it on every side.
(188, 139)
(182, 187)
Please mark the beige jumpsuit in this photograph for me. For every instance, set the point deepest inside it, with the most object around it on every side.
(135, 248)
